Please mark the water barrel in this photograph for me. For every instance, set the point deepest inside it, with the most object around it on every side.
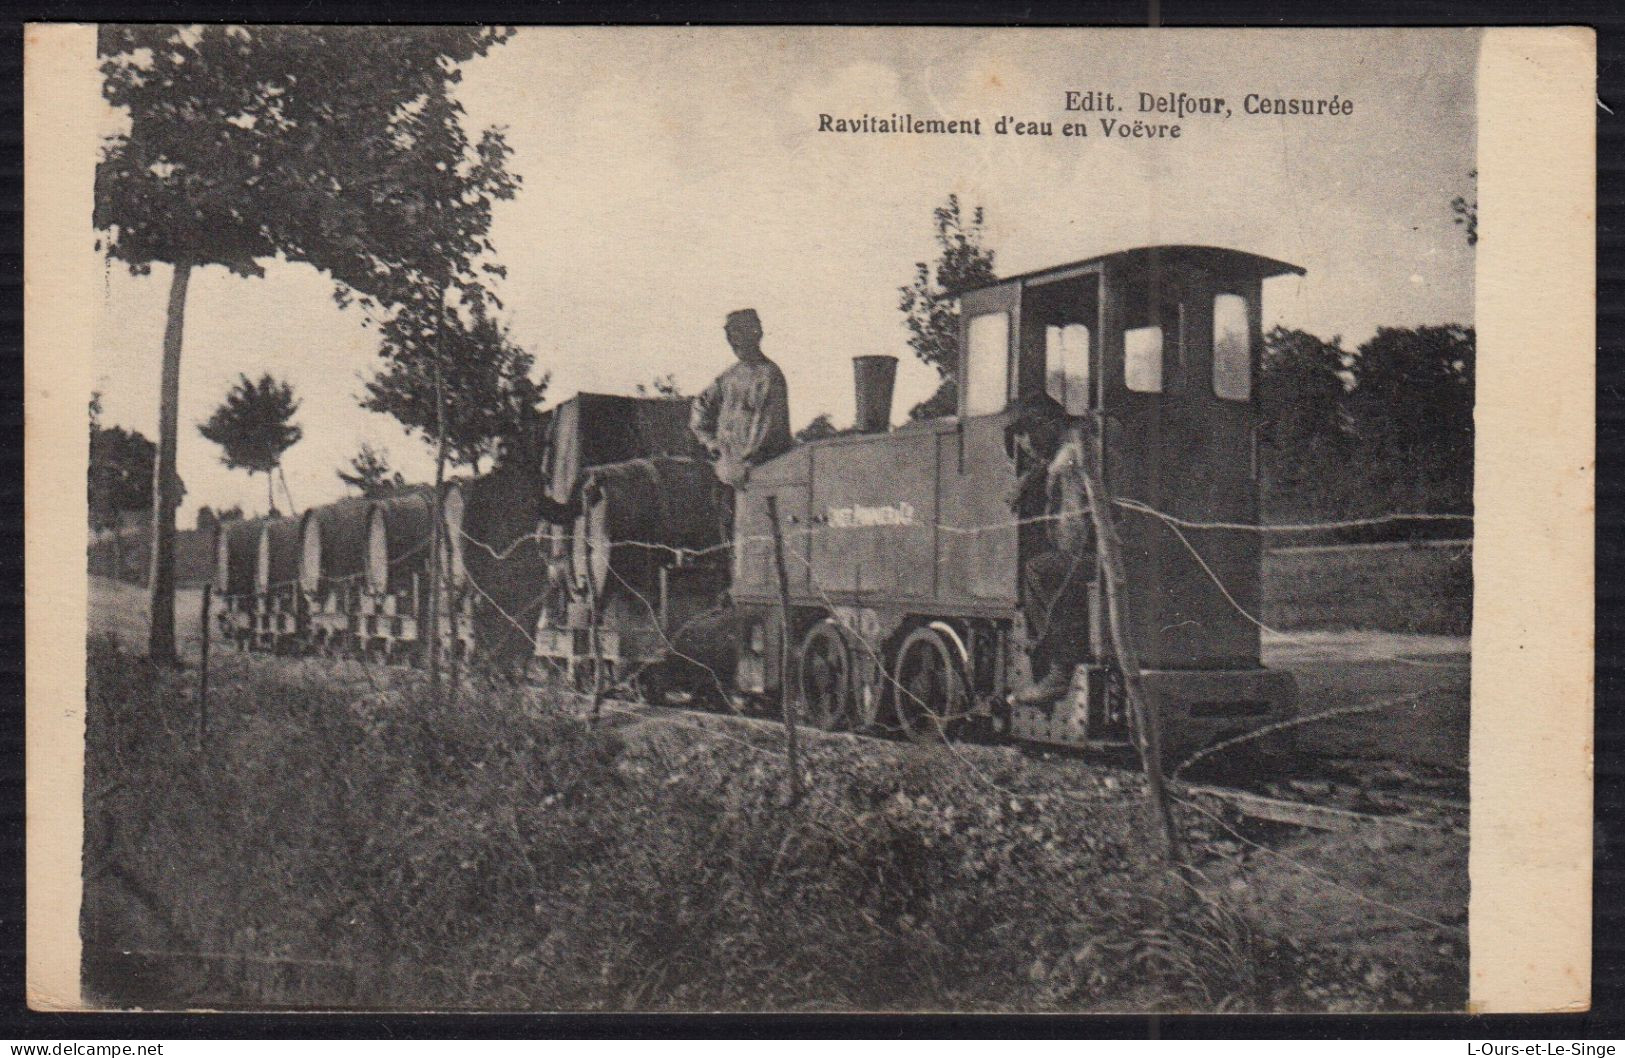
(236, 556)
(635, 513)
(277, 559)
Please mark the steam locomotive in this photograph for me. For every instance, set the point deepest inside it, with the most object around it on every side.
(901, 559)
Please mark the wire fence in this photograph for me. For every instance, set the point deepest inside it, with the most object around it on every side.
(626, 681)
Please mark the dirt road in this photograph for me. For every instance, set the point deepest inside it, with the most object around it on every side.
(1342, 670)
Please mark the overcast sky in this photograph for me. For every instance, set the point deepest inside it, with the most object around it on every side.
(673, 175)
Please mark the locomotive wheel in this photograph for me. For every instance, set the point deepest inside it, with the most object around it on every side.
(928, 693)
(824, 676)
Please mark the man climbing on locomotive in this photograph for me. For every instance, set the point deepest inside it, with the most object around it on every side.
(743, 418)
(1051, 500)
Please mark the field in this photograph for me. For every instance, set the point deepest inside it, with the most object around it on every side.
(344, 840)
(1416, 588)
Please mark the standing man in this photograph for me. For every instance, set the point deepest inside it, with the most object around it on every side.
(1056, 578)
(743, 418)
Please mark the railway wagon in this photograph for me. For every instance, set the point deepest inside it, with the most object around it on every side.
(648, 559)
(279, 610)
(236, 555)
(332, 571)
(391, 613)
(903, 558)
(628, 565)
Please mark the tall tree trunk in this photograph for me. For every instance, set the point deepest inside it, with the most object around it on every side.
(437, 512)
(270, 495)
(165, 497)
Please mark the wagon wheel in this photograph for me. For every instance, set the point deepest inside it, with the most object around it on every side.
(824, 676)
(928, 692)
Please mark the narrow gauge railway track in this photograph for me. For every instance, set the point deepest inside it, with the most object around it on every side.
(1323, 793)
(1316, 792)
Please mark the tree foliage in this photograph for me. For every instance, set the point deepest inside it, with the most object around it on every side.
(121, 463)
(1387, 427)
(208, 518)
(491, 399)
(664, 386)
(370, 473)
(929, 305)
(254, 424)
(250, 141)
(820, 427)
(247, 142)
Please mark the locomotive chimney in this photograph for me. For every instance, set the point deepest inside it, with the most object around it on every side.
(874, 377)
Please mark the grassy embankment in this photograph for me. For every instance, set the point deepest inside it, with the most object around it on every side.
(335, 845)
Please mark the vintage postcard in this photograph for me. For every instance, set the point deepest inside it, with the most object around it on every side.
(809, 519)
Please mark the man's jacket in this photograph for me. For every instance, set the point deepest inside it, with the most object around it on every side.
(744, 418)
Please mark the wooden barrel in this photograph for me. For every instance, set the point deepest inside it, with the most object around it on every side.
(637, 514)
(277, 559)
(333, 544)
(398, 540)
(236, 556)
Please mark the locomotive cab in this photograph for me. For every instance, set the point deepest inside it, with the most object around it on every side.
(904, 557)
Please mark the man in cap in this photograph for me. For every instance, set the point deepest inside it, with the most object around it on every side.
(743, 418)
(1050, 496)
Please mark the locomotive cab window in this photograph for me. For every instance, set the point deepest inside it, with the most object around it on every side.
(987, 376)
(1066, 366)
(1232, 348)
(1142, 359)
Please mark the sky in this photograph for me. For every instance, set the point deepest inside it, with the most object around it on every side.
(673, 175)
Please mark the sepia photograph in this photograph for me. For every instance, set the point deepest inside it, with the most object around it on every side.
(777, 519)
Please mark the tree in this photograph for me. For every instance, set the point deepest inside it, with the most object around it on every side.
(1411, 407)
(254, 425)
(247, 142)
(1306, 436)
(819, 428)
(485, 395)
(370, 472)
(930, 306)
(664, 386)
(208, 518)
(120, 477)
(1466, 211)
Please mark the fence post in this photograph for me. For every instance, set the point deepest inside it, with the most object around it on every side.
(1147, 724)
(595, 643)
(786, 694)
(203, 669)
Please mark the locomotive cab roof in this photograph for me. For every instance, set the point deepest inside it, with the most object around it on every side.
(1208, 258)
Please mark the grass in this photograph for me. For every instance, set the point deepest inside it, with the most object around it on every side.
(333, 845)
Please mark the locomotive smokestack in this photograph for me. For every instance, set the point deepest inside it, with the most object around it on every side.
(874, 377)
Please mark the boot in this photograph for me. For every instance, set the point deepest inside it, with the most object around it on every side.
(1047, 691)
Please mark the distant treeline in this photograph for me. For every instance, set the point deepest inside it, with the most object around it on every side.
(1384, 428)
(127, 554)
